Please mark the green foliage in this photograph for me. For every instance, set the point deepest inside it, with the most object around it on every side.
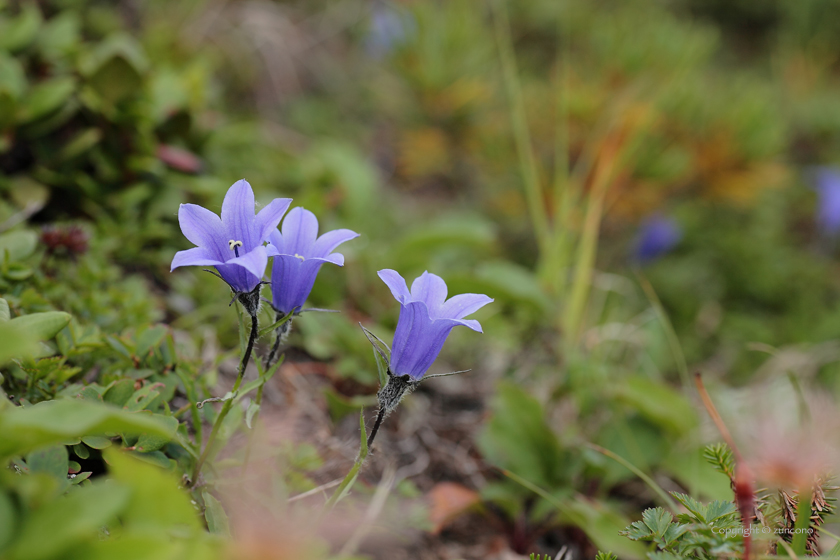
(705, 531)
(720, 456)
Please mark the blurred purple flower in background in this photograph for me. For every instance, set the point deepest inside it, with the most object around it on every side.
(426, 318)
(234, 243)
(827, 185)
(389, 27)
(298, 255)
(657, 236)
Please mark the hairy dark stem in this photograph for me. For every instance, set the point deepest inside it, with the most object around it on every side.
(282, 333)
(246, 357)
(379, 418)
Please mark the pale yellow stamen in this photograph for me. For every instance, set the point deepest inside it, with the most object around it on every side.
(301, 257)
(233, 244)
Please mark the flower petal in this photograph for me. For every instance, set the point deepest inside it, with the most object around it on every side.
(253, 261)
(431, 290)
(396, 283)
(203, 228)
(245, 272)
(197, 256)
(276, 244)
(238, 215)
(327, 243)
(300, 229)
(291, 281)
(417, 340)
(269, 217)
(458, 307)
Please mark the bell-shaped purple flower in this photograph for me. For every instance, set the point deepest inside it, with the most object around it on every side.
(426, 317)
(234, 242)
(298, 255)
(657, 236)
(827, 185)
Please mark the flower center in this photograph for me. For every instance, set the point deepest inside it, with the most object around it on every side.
(301, 257)
(234, 246)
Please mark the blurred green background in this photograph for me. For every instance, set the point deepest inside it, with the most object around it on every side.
(646, 187)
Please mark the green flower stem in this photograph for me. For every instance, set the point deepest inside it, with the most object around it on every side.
(229, 402)
(346, 484)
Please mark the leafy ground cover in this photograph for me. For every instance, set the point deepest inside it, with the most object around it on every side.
(646, 190)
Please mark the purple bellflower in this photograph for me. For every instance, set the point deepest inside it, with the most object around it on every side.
(426, 318)
(233, 243)
(298, 256)
(657, 236)
(827, 185)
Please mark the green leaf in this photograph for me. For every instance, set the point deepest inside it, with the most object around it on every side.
(97, 442)
(8, 521)
(43, 326)
(17, 33)
(51, 460)
(151, 442)
(47, 97)
(5, 314)
(214, 514)
(16, 343)
(658, 403)
(119, 393)
(81, 451)
(697, 509)
(603, 525)
(79, 144)
(60, 34)
(518, 438)
(150, 339)
(253, 408)
(675, 531)
(637, 531)
(347, 484)
(718, 509)
(19, 244)
(158, 503)
(658, 520)
(58, 525)
(51, 422)
(142, 398)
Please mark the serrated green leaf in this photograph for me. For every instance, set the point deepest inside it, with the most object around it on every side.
(718, 509)
(5, 314)
(658, 520)
(637, 531)
(697, 509)
(675, 531)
